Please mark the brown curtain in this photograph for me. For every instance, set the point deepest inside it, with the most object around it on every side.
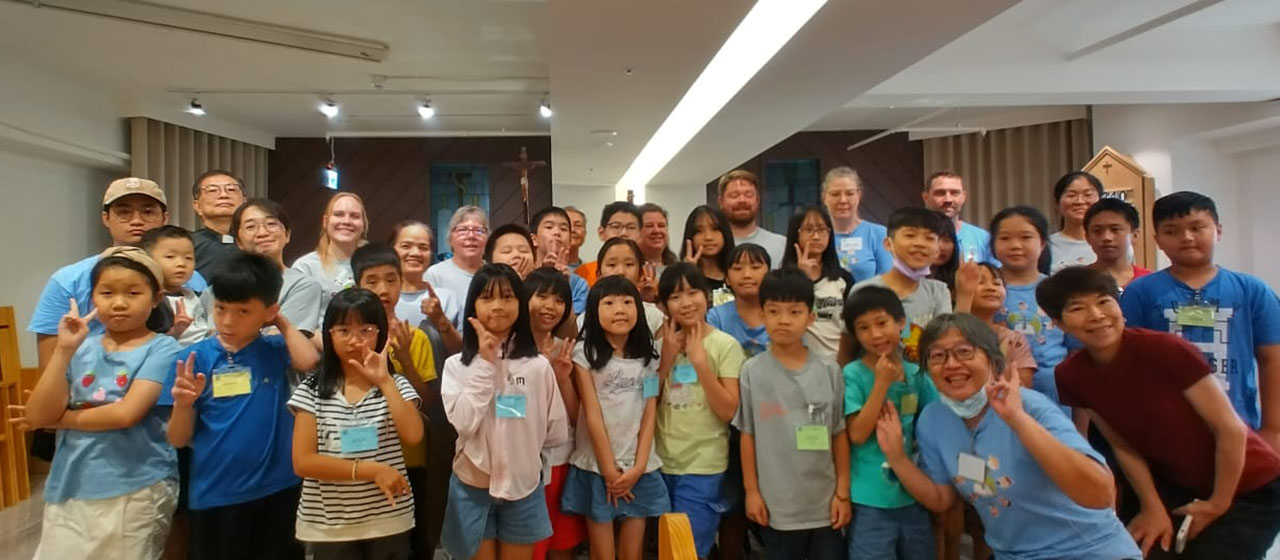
(174, 156)
(1012, 166)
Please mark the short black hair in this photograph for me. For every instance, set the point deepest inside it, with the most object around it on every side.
(1181, 203)
(619, 206)
(540, 215)
(1111, 204)
(501, 231)
(547, 280)
(787, 285)
(373, 255)
(1066, 180)
(866, 300)
(1037, 220)
(195, 187)
(946, 272)
(674, 275)
(917, 217)
(268, 207)
(1053, 292)
(246, 276)
(153, 236)
(753, 252)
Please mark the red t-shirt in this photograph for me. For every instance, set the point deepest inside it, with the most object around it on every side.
(1138, 272)
(1140, 395)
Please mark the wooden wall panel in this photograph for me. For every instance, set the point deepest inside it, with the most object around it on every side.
(392, 175)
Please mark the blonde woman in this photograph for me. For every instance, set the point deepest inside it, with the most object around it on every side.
(344, 228)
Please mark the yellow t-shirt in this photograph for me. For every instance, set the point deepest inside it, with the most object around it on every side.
(691, 438)
(423, 358)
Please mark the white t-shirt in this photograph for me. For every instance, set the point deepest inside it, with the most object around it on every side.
(336, 278)
(448, 275)
(1065, 251)
(201, 327)
(773, 243)
(620, 390)
(823, 336)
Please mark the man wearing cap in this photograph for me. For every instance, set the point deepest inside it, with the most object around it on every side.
(215, 196)
(130, 207)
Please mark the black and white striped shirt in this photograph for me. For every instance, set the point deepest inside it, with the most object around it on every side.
(332, 510)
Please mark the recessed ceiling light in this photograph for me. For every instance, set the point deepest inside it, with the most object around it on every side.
(329, 108)
(194, 108)
(545, 109)
(425, 111)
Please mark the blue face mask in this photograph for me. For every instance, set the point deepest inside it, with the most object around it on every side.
(969, 407)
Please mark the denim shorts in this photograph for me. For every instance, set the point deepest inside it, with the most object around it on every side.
(584, 494)
(698, 496)
(472, 516)
(884, 533)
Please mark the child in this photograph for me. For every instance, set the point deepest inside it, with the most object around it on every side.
(113, 485)
(980, 292)
(1020, 241)
(1233, 318)
(1172, 443)
(549, 313)
(795, 457)
(229, 405)
(742, 318)
(699, 367)
(707, 244)
(887, 520)
(377, 269)
(947, 262)
(502, 397)
(811, 247)
(356, 501)
(171, 247)
(622, 257)
(614, 478)
(1110, 226)
(913, 242)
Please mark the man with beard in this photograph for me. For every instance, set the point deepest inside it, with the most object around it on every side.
(944, 192)
(740, 202)
(215, 197)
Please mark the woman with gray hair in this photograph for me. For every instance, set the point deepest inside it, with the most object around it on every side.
(468, 232)
(859, 243)
(1039, 488)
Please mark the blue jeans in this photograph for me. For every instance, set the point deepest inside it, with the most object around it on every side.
(891, 534)
(698, 496)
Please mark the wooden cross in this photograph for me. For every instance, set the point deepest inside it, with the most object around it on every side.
(524, 165)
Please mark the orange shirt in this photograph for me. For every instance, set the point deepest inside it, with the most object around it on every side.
(588, 272)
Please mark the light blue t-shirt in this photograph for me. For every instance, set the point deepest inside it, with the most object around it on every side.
(578, 290)
(725, 317)
(99, 465)
(975, 244)
(75, 281)
(1245, 317)
(1022, 314)
(409, 308)
(448, 275)
(1026, 515)
(873, 483)
(862, 251)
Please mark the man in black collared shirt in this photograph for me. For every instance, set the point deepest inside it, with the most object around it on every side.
(215, 197)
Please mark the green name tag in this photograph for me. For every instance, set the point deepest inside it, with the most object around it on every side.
(1195, 316)
(812, 437)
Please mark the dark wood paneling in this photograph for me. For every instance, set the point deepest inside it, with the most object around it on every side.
(392, 175)
(892, 168)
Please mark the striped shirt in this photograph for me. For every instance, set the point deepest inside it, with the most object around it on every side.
(341, 510)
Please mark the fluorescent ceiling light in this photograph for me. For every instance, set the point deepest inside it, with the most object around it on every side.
(329, 108)
(766, 28)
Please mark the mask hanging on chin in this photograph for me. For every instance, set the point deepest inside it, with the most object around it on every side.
(969, 407)
(915, 274)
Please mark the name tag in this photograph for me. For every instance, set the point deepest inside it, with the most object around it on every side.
(850, 244)
(227, 240)
(356, 439)
(650, 386)
(684, 373)
(1196, 316)
(972, 468)
(812, 437)
(509, 406)
(232, 382)
(910, 403)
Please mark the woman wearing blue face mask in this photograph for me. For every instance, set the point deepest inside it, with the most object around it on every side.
(1041, 491)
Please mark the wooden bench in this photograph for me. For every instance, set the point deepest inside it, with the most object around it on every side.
(15, 479)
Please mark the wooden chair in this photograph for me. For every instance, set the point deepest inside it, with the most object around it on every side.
(675, 538)
(15, 479)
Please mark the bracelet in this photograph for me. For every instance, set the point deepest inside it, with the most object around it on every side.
(354, 465)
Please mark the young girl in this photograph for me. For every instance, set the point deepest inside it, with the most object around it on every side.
(501, 395)
(349, 420)
(624, 258)
(707, 243)
(948, 261)
(342, 231)
(549, 313)
(699, 368)
(613, 477)
(811, 247)
(980, 292)
(113, 485)
(1019, 240)
(742, 318)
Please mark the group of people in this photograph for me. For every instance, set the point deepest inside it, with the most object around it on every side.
(844, 390)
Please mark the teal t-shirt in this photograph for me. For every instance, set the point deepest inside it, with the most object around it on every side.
(872, 481)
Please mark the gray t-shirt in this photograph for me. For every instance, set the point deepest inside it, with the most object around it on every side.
(931, 298)
(332, 280)
(773, 243)
(797, 485)
(300, 297)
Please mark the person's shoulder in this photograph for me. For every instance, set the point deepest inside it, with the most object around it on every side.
(856, 370)
(718, 337)
(305, 261)
(1035, 403)
(76, 271)
(1158, 280)
(936, 287)
(875, 229)
(1247, 282)
(877, 280)
(164, 344)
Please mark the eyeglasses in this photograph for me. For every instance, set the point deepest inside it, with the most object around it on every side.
(1080, 196)
(819, 231)
(619, 227)
(961, 352)
(347, 333)
(269, 226)
(126, 214)
(477, 231)
(211, 189)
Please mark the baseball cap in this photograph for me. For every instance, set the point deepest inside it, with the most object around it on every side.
(120, 188)
(139, 256)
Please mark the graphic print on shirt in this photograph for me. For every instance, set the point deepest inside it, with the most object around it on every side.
(94, 391)
(987, 492)
(1208, 327)
(1035, 325)
(911, 341)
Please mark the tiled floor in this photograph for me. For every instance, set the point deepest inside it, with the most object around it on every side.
(20, 524)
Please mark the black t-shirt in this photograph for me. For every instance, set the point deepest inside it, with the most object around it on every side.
(211, 248)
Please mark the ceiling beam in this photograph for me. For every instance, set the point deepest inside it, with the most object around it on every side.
(1141, 28)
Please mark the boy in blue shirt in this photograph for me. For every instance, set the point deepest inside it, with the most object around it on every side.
(228, 401)
(887, 520)
(1233, 318)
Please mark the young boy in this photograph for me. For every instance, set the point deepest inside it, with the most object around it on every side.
(1181, 446)
(886, 517)
(172, 248)
(228, 400)
(795, 457)
(1110, 226)
(619, 219)
(913, 241)
(551, 242)
(1233, 318)
(699, 367)
(376, 267)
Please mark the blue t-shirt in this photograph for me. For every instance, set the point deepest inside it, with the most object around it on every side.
(873, 483)
(1026, 515)
(975, 244)
(862, 251)
(98, 465)
(74, 281)
(1022, 314)
(578, 289)
(241, 447)
(1245, 316)
(725, 317)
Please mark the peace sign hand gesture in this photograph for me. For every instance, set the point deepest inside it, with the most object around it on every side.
(373, 366)
(187, 386)
(487, 341)
(648, 282)
(808, 262)
(560, 354)
(73, 329)
(692, 255)
(181, 320)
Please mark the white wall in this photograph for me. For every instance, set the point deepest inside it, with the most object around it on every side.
(1257, 173)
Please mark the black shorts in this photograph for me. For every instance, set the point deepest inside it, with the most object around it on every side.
(262, 528)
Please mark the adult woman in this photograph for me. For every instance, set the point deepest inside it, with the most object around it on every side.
(655, 237)
(419, 300)
(1041, 490)
(468, 231)
(261, 226)
(859, 243)
(342, 231)
(1075, 192)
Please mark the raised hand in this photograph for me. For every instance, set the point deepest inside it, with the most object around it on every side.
(373, 366)
(487, 341)
(967, 277)
(692, 254)
(431, 306)
(391, 482)
(672, 342)
(401, 337)
(73, 329)
(181, 320)
(889, 368)
(889, 431)
(1005, 398)
(808, 262)
(187, 385)
(693, 342)
(561, 357)
(648, 282)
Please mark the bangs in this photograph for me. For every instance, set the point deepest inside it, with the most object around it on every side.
(497, 287)
(750, 253)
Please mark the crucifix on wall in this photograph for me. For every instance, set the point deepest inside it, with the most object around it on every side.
(524, 165)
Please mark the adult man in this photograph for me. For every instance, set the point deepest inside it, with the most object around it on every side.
(944, 192)
(551, 247)
(654, 237)
(577, 235)
(619, 219)
(740, 201)
(215, 196)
